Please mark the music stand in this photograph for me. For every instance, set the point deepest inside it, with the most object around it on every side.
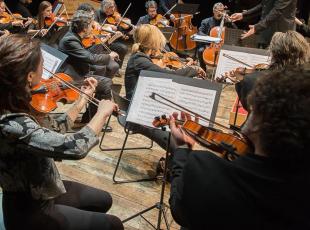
(185, 8)
(167, 31)
(233, 37)
(159, 205)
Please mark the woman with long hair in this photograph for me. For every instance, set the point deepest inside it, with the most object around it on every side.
(149, 40)
(33, 193)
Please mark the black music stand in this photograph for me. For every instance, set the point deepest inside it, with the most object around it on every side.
(167, 31)
(159, 205)
(187, 8)
(233, 37)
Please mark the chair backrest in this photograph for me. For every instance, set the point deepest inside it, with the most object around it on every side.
(122, 102)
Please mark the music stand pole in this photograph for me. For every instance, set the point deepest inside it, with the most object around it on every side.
(159, 205)
(236, 114)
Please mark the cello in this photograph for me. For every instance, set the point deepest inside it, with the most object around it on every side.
(181, 37)
(211, 53)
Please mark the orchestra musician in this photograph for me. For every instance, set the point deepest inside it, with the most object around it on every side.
(148, 40)
(108, 8)
(276, 16)
(41, 28)
(33, 193)
(113, 66)
(13, 26)
(207, 24)
(286, 49)
(151, 9)
(81, 62)
(267, 189)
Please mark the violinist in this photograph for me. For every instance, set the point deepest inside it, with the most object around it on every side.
(152, 16)
(108, 8)
(33, 192)
(268, 189)
(206, 26)
(148, 40)
(286, 49)
(45, 12)
(113, 66)
(81, 62)
(13, 26)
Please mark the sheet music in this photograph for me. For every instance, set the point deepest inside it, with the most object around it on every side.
(143, 109)
(205, 38)
(51, 63)
(225, 64)
(196, 99)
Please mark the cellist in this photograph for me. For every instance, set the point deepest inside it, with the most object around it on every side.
(206, 26)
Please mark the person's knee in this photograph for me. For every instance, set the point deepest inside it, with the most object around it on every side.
(115, 223)
(106, 201)
(112, 68)
(103, 90)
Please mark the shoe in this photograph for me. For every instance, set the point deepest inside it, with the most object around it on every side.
(108, 129)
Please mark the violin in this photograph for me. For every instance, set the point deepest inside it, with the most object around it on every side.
(52, 19)
(167, 60)
(159, 21)
(239, 73)
(181, 37)
(8, 18)
(48, 92)
(228, 145)
(116, 19)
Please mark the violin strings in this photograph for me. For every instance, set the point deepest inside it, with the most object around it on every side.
(89, 98)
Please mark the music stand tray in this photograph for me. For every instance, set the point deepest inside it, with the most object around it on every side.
(187, 8)
(167, 31)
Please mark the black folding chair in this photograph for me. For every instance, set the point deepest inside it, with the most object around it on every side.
(123, 105)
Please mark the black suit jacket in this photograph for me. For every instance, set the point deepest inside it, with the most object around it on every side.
(81, 61)
(276, 16)
(208, 192)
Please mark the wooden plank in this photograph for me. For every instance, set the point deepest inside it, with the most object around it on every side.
(72, 5)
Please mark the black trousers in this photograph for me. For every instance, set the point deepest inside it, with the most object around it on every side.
(103, 91)
(200, 50)
(81, 208)
(120, 48)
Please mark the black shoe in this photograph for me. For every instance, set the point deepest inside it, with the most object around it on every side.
(108, 129)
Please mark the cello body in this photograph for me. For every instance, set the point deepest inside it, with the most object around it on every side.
(181, 38)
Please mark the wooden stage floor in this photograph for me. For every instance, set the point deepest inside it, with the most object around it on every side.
(97, 169)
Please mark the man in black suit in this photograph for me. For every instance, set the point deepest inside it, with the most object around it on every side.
(151, 9)
(206, 26)
(81, 62)
(276, 16)
(267, 189)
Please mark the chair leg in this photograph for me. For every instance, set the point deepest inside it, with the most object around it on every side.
(118, 163)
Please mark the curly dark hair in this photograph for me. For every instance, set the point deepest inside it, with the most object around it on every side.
(19, 55)
(280, 103)
(81, 20)
(86, 7)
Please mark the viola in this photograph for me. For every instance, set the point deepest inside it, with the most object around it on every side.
(167, 60)
(116, 18)
(48, 92)
(228, 145)
(52, 19)
(159, 21)
(181, 37)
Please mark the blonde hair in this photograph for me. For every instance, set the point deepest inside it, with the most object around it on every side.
(148, 37)
(288, 49)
